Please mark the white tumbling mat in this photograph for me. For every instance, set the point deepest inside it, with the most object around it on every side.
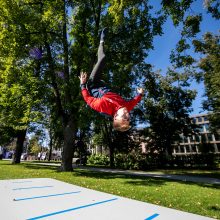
(44, 198)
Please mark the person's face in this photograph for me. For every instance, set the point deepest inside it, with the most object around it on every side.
(122, 114)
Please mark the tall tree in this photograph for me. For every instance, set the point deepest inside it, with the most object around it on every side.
(19, 87)
(182, 58)
(167, 107)
(209, 64)
(128, 42)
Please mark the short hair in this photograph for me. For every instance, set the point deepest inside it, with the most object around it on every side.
(120, 125)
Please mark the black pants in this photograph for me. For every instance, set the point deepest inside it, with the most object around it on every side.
(96, 74)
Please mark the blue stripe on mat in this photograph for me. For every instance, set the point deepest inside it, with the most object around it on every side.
(45, 196)
(33, 187)
(71, 209)
(152, 216)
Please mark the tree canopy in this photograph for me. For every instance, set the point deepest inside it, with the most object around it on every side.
(44, 46)
(209, 64)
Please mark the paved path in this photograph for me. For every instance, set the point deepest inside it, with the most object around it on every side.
(185, 178)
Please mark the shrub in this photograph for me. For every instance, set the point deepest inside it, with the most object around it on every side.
(98, 159)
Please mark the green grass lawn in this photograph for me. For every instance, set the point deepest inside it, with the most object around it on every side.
(202, 199)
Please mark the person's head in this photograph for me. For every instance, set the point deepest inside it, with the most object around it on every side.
(121, 120)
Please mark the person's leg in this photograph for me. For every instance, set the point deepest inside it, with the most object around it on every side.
(96, 73)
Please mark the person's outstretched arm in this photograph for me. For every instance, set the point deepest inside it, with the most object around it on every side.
(90, 100)
(132, 103)
(85, 93)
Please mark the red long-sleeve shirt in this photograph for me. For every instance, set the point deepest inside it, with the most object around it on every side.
(110, 102)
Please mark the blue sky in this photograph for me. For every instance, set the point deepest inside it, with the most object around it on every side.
(159, 57)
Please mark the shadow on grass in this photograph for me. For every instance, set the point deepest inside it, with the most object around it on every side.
(39, 166)
(138, 180)
(215, 173)
(214, 208)
(130, 179)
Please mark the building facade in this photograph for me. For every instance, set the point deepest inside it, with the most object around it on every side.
(203, 141)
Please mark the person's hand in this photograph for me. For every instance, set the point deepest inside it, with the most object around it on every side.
(140, 91)
(83, 77)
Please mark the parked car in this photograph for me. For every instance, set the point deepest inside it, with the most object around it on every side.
(24, 156)
(9, 154)
(44, 156)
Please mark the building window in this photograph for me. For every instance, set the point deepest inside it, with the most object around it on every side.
(194, 148)
(210, 137)
(181, 139)
(192, 139)
(187, 149)
(217, 137)
(218, 147)
(182, 150)
(203, 138)
(206, 127)
(194, 120)
(197, 138)
(205, 118)
(201, 128)
(200, 119)
(185, 139)
(177, 149)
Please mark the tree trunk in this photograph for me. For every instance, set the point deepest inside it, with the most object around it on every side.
(69, 125)
(68, 147)
(19, 146)
(51, 146)
(108, 136)
(111, 152)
